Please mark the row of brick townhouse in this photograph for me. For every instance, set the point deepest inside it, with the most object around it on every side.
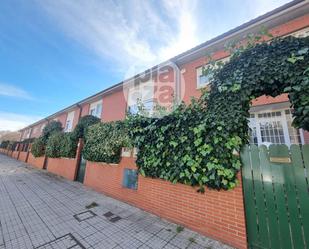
(181, 78)
(218, 214)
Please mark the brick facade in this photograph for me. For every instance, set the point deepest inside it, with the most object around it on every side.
(217, 214)
(114, 107)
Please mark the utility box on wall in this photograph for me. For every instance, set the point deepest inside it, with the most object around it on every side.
(130, 178)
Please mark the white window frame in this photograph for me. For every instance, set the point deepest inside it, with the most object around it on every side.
(69, 121)
(256, 121)
(133, 109)
(199, 74)
(95, 108)
(145, 93)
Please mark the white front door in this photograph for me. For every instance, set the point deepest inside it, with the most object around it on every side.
(273, 127)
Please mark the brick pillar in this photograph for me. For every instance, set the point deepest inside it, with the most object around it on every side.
(19, 147)
(28, 151)
(78, 156)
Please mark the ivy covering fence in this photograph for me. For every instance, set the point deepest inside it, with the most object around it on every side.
(104, 142)
(38, 147)
(198, 144)
(55, 143)
(81, 128)
(61, 144)
(39, 144)
(4, 144)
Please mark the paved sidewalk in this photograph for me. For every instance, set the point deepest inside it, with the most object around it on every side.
(43, 211)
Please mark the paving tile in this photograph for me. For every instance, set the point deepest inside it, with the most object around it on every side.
(166, 234)
(180, 241)
(156, 242)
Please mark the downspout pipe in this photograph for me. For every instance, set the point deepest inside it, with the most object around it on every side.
(177, 83)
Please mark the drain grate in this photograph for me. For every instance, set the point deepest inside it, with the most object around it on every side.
(108, 214)
(115, 219)
(64, 242)
(112, 217)
(84, 215)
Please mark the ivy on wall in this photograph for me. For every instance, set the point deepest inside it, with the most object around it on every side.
(104, 142)
(69, 145)
(4, 144)
(51, 128)
(61, 145)
(38, 147)
(196, 144)
(55, 143)
(39, 144)
(12, 145)
(83, 124)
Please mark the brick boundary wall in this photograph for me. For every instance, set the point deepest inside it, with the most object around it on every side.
(217, 214)
(15, 154)
(65, 167)
(22, 156)
(37, 162)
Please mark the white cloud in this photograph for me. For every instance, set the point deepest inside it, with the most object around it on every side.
(187, 35)
(13, 121)
(138, 34)
(13, 91)
(133, 33)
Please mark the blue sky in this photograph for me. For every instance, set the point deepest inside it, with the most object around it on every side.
(56, 52)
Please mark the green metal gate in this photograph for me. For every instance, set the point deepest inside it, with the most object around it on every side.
(276, 192)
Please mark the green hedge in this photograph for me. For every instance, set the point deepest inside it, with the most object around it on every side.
(38, 147)
(83, 124)
(4, 144)
(51, 128)
(69, 145)
(61, 145)
(104, 142)
(12, 145)
(54, 145)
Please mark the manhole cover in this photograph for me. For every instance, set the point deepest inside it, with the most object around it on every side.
(112, 217)
(67, 241)
(108, 214)
(115, 219)
(84, 215)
